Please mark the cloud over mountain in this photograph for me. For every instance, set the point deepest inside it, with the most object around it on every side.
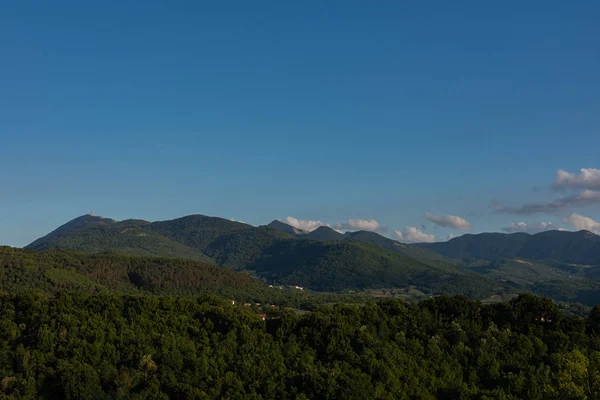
(449, 221)
(588, 178)
(412, 234)
(580, 222)
(305, 225)
(350, 225)
(361, 225)
(535, 227)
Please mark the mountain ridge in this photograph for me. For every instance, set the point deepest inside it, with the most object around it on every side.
(351, 263)
(580, 247)
(477, 265)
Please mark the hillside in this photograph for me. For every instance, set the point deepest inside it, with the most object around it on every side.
(353, 265)
(323, 233)
(52, 270)
(282, 226)
(581, 247)
(197, 231)
(96, 234)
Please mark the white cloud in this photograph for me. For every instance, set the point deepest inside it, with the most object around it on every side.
(305, 225)
(532, 228)
(361, 225)
(580, 222)
(365, 224)
(350, 225)
(588, 178)
(585, 198)
(412, 234)
(449, 221)
(451, 236)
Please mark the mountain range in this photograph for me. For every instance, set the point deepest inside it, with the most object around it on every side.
(563, 265)
(582, 247)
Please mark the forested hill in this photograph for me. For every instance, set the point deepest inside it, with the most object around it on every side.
(342, 265)
(581, 247)
(475, 265)
(358, 262)
(78, 346)
(54, 270)
(96, 234)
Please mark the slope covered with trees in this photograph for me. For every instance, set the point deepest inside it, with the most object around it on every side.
(343, 265)
(50, 271)
(77, 346)
(581, 247)
(96, 234)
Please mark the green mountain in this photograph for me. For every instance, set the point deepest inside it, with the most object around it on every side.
(231, 244)
(339, 265)
(416, 252)
(96, 234)
(555, 264)
(581, 247)
(197, 231)
(324, 233)
(282, 226)
(361, 260)
(51, 270)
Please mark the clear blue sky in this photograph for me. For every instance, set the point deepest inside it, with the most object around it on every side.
(323, 111)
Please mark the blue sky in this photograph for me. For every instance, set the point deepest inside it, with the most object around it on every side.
(321, 111)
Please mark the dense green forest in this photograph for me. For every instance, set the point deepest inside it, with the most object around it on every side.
(54, 270)
(342, 265)
(106, 346)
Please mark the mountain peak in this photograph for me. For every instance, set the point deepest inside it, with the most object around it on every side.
(324, 233)
(282, 226)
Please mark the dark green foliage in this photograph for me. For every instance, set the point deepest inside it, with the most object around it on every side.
(241, 250)
(106, 346)
(54, 270)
